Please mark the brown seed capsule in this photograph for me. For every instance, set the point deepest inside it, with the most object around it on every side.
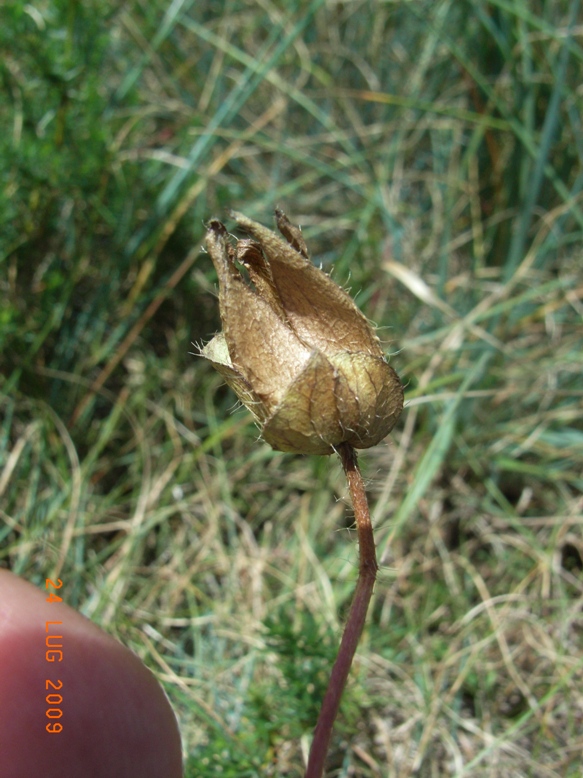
(294, 347)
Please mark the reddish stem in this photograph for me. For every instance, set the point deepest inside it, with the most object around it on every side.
(355, 623)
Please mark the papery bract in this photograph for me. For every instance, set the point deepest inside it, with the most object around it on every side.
(294, 346)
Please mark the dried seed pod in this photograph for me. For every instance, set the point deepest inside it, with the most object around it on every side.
(295, 348)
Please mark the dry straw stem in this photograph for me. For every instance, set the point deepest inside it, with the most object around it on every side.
(353, 630)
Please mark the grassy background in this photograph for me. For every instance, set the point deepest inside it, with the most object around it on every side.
(432, 153)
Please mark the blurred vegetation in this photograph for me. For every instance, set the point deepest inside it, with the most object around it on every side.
(432, 153)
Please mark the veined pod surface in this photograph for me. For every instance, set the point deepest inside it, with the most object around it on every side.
(294, 347)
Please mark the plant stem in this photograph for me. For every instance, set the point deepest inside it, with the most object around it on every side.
(355, 623)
